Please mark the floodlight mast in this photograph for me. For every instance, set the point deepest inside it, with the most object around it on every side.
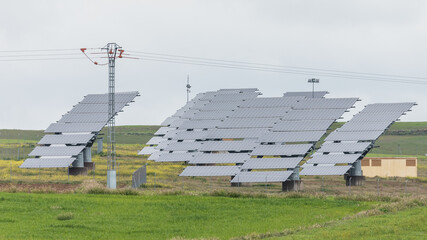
(111, 49)
(313, 80)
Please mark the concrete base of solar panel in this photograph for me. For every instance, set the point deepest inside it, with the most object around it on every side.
(88, 166)
(292, 185)
(354, 180)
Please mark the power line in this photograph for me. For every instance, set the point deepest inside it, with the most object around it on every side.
(278, 66)
(40, 55)
(40, 59)
(209, 62)
(243, 67)
(44, 50)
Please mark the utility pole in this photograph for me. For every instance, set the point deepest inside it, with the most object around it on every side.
(188, 88)
(111, 49)
(313, 80)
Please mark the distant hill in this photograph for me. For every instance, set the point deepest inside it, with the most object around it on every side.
(406, 138)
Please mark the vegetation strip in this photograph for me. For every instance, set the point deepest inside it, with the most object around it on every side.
(381, 209)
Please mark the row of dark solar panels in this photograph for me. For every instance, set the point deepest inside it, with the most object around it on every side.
(253, 120)
(69, 140)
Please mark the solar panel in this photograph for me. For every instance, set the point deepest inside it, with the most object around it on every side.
(175, 157)
(282, 137)
(281, 150)
(314, 114)
(324, 170)
(210, 146)
(171, 134)
(248, 123)
(88, 116)
(162, 131)
(47, 162)
(84, 118)
(177, 122)
(228, 90)
(155, 140)
(304, 125)
(271, 163)
(354, 136)
(74, 127)
(325, 103)
(168, 121)
(147, 151)
(189, 113)
(374, 117)
(333, 158)
(200, 124)
(120, 97)
(263, 177)
(155, 155)
(272, 102)
(190, 135)
(364, 126)
(316, 94)
(220, 158)
(388, 107)
(57, 151)
(260, 112)
(66, 139)
(200, 105)
(234, 97)
(345, 147)
(95, 108)
(247, 133)
(209, 171)
(164, 144)
(183, 146)
(221, 106)
(212, 115)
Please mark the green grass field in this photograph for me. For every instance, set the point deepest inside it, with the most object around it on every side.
(407, 224)
(93, 216)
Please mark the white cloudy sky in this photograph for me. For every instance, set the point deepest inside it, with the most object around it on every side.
(364, 36)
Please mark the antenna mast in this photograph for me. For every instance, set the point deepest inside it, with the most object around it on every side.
(188, 88)
(112, 49)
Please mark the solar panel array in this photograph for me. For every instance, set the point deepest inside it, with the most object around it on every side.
(246, 136)
(75, 132)
(354, 139)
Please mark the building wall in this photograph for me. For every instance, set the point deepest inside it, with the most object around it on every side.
(389, 167)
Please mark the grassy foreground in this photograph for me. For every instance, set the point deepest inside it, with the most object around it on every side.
(99, 216)
(408, 224)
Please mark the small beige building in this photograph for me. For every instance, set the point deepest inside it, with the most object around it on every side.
(389, 167)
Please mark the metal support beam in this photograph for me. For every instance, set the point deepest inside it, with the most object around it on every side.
(100, 142)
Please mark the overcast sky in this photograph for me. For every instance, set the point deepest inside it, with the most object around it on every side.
(364, 36)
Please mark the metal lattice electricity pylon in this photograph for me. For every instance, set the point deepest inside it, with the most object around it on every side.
(111, 49)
